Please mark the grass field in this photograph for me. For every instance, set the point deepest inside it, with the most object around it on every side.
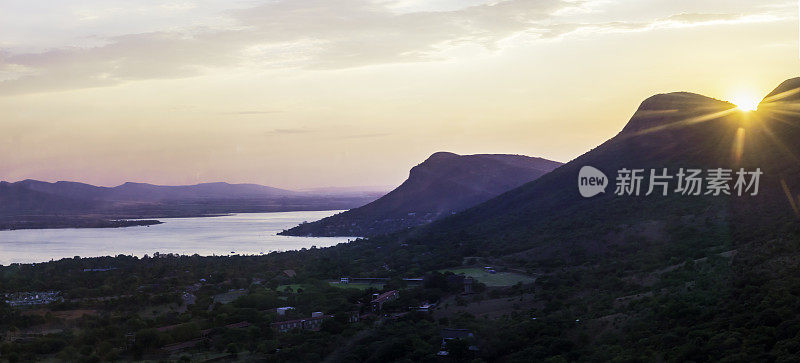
(229, 297)
(495, 279)
(360, 286)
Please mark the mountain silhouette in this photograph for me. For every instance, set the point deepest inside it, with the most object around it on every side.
(18, 198)
(141, 192)
(548, 218)
(37, 204)
(639, 278)
(442, 185)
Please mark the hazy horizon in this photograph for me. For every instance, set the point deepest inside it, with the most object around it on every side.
(342, 93)
(363, 188)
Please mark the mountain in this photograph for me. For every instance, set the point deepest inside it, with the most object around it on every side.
(67, 189)
(676, 130)
(149, 192)
(141, 192)
(38, 204)
(18, 198)
(639, 278)
(356, 190)
(785, 96)
(442, 185)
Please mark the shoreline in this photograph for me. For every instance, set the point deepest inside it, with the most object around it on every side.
(33, 222)
(83, 224)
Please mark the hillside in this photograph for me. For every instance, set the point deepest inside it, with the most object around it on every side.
(673, 131)
(442, 185)
(638, 278)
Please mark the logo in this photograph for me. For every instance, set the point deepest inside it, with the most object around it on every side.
(692, 182)
(591, 181)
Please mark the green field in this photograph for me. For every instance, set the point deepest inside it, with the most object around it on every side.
(359, 285)
(496, 279)
(228, 297)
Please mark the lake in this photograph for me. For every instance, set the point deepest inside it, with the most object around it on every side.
(248, 233)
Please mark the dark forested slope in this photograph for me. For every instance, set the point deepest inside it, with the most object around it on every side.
(442, 185)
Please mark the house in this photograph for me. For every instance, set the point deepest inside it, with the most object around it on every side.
(451, 334)
(378, 301)
(425, 307)
(313, 323)
(468, 281)
(189, 298)
(282, 311)
(352, 316)
(33, 298)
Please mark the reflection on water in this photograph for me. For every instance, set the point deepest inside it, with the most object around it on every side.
(250, 233)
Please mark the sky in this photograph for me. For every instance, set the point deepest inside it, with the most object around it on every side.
(321, 93)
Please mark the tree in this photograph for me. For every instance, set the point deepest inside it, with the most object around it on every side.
(232, 348)
(457, 349)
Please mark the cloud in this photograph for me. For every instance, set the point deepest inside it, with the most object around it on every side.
(683, 20)
(693, 18)
(322, 34)
(289, 131)
(130, 57)
(311, 34)
(247, 113)
(365, 136)
(342, 132)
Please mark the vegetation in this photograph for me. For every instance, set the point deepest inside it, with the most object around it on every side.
(625, 279)
(495, 278)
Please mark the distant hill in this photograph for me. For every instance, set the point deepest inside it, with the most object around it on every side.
(142, 192)
(442, 185)
(18, 198)
(38, 204)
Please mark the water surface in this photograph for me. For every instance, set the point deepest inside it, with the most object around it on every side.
(248, 233)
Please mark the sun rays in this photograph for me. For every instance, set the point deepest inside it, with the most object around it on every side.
(782, 108)
(745, 102)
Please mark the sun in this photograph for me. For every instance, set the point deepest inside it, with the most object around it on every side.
(745, 102)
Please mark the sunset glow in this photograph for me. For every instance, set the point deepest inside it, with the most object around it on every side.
(399, 180)
(300, 94)
(746, 102)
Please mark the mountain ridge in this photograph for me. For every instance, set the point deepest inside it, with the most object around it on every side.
(636, 278)
(443, 184)
(36, 204)
(694, 131)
